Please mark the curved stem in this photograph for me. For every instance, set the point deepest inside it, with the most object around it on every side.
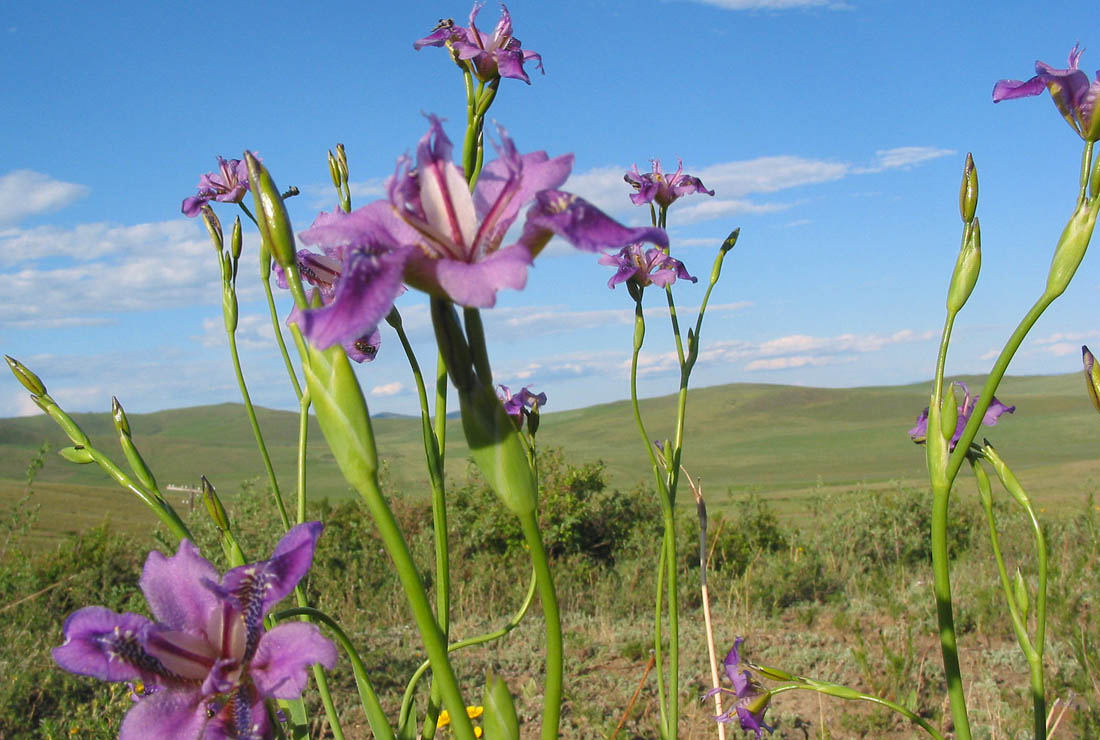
(548, 597)
(256, 431)
(160, 507)
(410, 689)
(376, 717)
(279, 338)
(822, 687)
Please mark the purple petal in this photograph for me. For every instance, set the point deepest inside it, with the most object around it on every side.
(176, 587)
(580, 223)
(470, 284)
(1012, 89)
(279, 667)
(919, 433)
(193, 206)
(369, 283)
(104, 644)
(175, 714)
(269, 581)
(996, 408)
(365, 348)
(245, 718)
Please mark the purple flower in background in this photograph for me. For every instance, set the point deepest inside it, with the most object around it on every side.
(514, 404)
(498, 55)
(920, 432)
(433, 234)
(657, 187)
(751, 700)
(1069, 88)
(651, 266)
(227, 185)
(207, 664)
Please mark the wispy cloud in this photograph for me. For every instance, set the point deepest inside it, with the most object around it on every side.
(387, 389)
(548, 320)
(26, 192)
(78, 276)
(903, 157)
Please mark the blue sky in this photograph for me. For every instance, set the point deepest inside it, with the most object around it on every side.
(832, 132)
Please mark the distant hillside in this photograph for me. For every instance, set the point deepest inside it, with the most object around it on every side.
(780, 441)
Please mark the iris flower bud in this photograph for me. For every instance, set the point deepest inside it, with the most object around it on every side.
(1071, 248)
(967, 267)
(968, 192)
(29, 380)
(271, 216)
(1092, 376)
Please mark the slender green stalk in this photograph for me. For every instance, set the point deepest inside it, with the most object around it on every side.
(303, 435)
(439, 513)
(823, 687)
(376, 717)
(551, 712)
(440, 420)
(160, 507)
(513, 622)
(277, 327)
(658, 640)
(255, 424)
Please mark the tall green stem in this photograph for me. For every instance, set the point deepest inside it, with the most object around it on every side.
(551, 713)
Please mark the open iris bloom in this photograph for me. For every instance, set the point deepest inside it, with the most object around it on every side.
(920, 432)
(657, 187)
(1070, 89)
(227, 185)
(433, 234)
(207, 663)
(649, 267)
(489, 57)
(751, 699)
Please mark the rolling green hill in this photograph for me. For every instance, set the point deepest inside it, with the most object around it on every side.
(782, 442)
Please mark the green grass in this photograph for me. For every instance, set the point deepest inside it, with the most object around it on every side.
(787, 444)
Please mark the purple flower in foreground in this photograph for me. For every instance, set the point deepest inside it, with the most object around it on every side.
(1069, 88)
(752, 699)
(227, 185)
(920, 432)
(206, 664)
(498, 55)
(657, 187)
(433, 234)
(652, 266)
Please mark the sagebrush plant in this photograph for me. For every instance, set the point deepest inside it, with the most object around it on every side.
(217, 659)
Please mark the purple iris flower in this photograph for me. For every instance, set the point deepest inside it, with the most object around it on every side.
(514, 404)
(227, 185)
(207, 663)
(323, 272)
(920, 432)
(490, 57)
(652, 266)
(436, 236)
(752, 699)
(657, 187)
(1069, 88)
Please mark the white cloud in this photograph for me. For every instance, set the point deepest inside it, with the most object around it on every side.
(903, 157)
(548, 320)
(84, 274)
(788, 363)
(254, 331)
(388, 389)
(1063, 337)
(26, 192)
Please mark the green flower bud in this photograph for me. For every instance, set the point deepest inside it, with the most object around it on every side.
(77, 454)
(500, 720)
(29, 380)
(731, 240)
(1071, 248)
(949, 413)
(333, 170)
(1020, 593)
(118, 415)
(274, 222)
(968, 192)
(1092, 376)
(213, 227)
(214, 506)
(967, 267)
(236, 240)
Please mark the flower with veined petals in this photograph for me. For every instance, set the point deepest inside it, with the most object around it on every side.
(652, 266)
(1069, 88)
(323, 272)
(206, 665)
(489, 57)
(436, 236)
(920, 432)
(657, 187)
(227, 185)
(751, 699)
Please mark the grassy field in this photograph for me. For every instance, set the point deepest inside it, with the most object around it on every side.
(787, 444)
